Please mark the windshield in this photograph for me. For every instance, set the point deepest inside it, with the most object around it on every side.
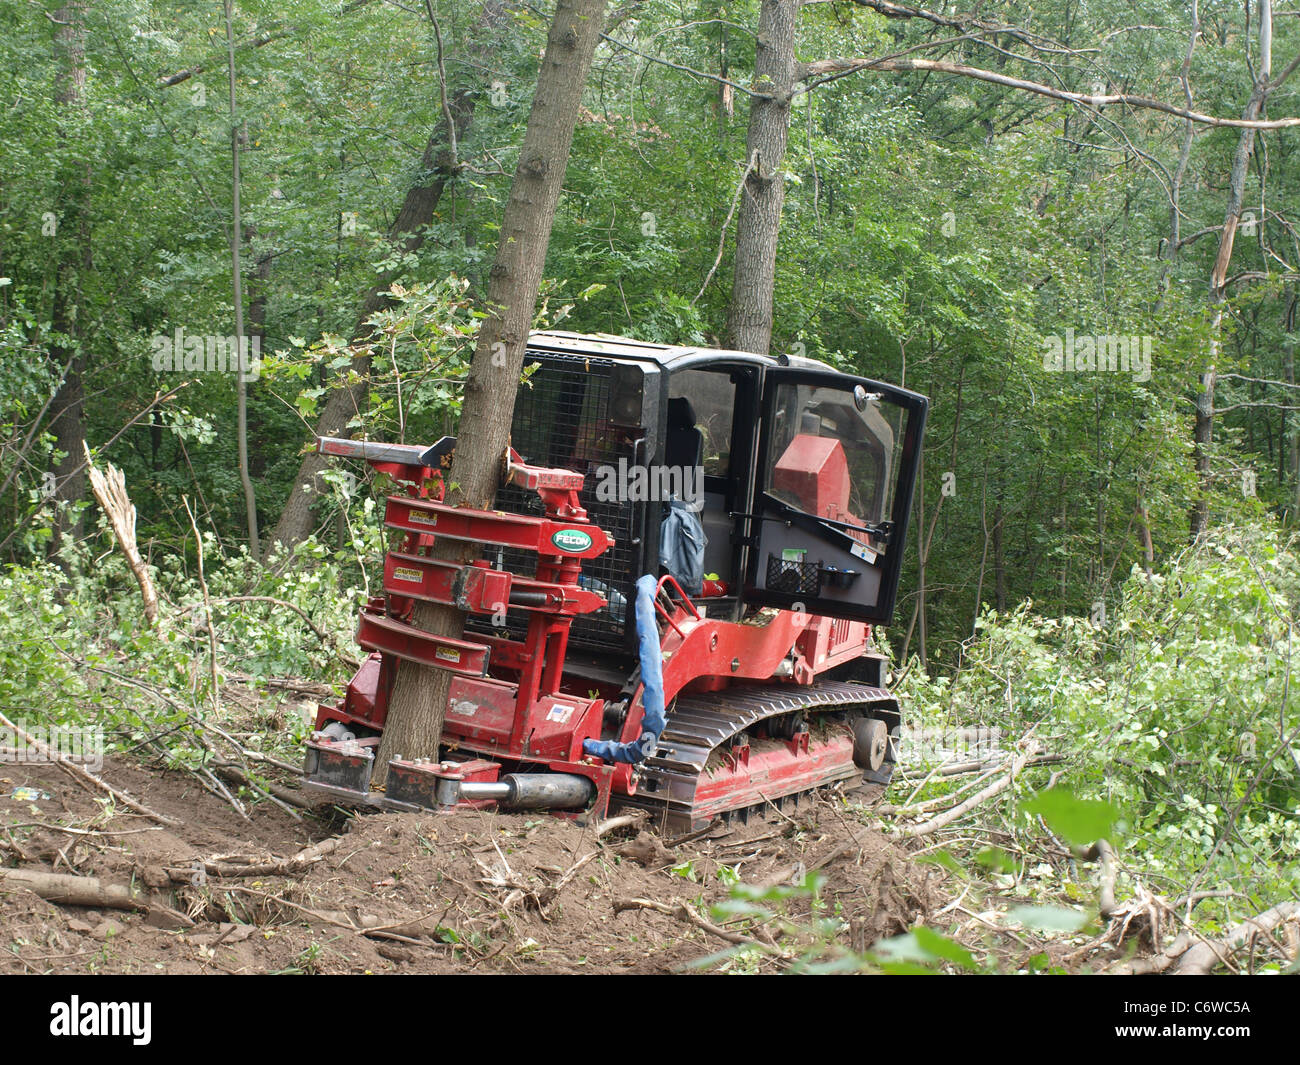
(834, 452)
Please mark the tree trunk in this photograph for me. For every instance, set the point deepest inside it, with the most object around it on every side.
(419, 699)
(1203, 432)
(1289, 445)
(1144, 534)
(237, 282)
(73, 890)
(749, 318)
(999, 559)
(437, 168)
(67, 360)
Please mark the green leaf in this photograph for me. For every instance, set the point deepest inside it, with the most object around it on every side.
(942, 947)
(686, 870)
(904, 948)
(941, 858)
(996, 859)
(1048, 918)
(1077, 821)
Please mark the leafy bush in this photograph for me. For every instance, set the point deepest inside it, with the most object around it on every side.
(1178, 709)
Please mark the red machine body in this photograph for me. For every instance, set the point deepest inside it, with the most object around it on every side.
(510, 700)
(763, 707)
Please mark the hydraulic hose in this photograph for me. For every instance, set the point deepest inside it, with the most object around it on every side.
(652, 686)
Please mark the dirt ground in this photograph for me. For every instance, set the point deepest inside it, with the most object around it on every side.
(438, 893)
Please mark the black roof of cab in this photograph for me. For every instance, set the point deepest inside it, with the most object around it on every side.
(668, 356)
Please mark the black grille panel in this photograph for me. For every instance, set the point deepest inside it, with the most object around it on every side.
(562, 419)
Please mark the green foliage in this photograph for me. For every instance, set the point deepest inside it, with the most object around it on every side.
(74, 650)
(935, 231)
(1077, 821)
(1176, 715)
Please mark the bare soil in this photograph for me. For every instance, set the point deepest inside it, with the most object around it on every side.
(469, 891)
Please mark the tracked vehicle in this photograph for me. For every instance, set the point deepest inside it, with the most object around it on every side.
(670, 602)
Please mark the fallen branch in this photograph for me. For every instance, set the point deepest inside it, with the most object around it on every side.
(365, 924)
(235, 865)
(961, 769)
(282, 797)
(949, 816)
(73, 890)
(914, 809)
(1101, 851)
(84, 831)
(1157, 963)
(1204, 956)
(8, 843)
(572, 871)
(833, 854)
(209, 780)
(291, 684)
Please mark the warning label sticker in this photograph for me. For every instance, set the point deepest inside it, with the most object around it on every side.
(864, 553)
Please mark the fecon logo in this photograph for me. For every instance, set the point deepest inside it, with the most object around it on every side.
(571, 540)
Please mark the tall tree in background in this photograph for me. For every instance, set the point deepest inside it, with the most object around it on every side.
(419, 699)
(438, 166)
(777, 74)
(67, 355)
(237, 132)
(1203, 434)
(749, 317)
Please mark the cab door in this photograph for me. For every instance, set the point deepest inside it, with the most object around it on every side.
(837, 462)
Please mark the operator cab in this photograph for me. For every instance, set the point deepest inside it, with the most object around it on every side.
(807, 478)
(753, 481)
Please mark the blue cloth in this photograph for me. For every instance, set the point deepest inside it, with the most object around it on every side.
(652, 686)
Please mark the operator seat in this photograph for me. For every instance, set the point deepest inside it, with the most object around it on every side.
(685, 444)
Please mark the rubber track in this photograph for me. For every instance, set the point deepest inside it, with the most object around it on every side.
(699, 724)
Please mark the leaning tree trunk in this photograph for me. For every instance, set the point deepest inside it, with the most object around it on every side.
(419, 700)
(67, 360)
(1203, 432)
(437, 167)
(344, 401)
(749, 319)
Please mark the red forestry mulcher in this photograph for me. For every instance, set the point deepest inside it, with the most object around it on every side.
(671, 605)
